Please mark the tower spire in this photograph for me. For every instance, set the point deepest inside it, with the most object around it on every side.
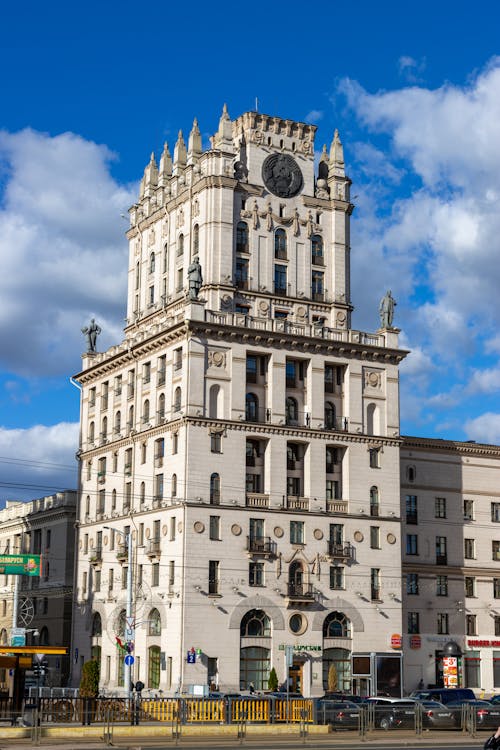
(165, 165)
(180, 155)
(224, 136)
(194, 143)
(336, 163)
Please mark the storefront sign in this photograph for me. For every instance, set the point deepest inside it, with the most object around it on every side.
(396, 640)
(450, 671)
(281, 647)
(20, 565)
(483, 644)
(415, 641)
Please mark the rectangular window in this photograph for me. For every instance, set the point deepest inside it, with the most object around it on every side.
(495, 550)
(442, 623)
(412, 583)
(411, 509)
(495, 512)
(412, 544)
(175, 443)
(296, 532)
(470, 549)
(375, 537)
(441, 585)
(213, 576)
(440, 507)
(413, 623)
(171, 573)
(332, 488)
(280, 279)
(337, 577)
(215, 528)
(124, 576)
(180, 279)
(496, 588)
(468, 510)
(375, 583)
(178, 359)
(256, 574)
(118, 385)
(441, 551)
(172, 528)
(146, 372)
(216, 442)
(496, 669)
(318, 286)
(161, 369)
(471, 624)
(374, 456)
(470, 586)
(256, 528)
(155, 574)
(241, 273)
(472, 664)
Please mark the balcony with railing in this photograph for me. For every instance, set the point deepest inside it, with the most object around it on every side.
(337, 506)
(95, 557)
(343, 552)
(256, 500)
(263, 546)
(153, 547)
(337, 424)
(300, 592)
(122, 553)
(297, 503)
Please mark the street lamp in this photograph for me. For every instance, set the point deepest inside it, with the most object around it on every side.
(128, 542)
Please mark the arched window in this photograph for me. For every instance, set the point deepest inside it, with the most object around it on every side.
(317, 250)
(214, 489)
(3, 637)
(130, 424)
(113, 500)
(280, 244)
(297, 585)
(145, 411)
(161, 406)
(174, 485)
(180, 245)
(329, 416)
(96, 625)
(242, 237)
(43, 638)
(255, 624)
(196, 240)
(291, 410)
(142, 494)
(374, 501)
(104, 428)
(165, 259)
(152, 263)
(336, 625)
(411, 473)
(177, 399)
(137, 275)
(372, 420)
(91, 432)
(251, 407)
(154, 659)
(213, 401)
(337, 669)
(154, 623)
(118, 422)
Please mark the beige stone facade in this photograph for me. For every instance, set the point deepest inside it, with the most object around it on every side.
(44, 527)
(451, 559)
(246, 437)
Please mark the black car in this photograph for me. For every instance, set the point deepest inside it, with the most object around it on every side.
(336, 696)
(393, 713)
(487, 714)
(444, 695)
(436, 715)
(339, 714)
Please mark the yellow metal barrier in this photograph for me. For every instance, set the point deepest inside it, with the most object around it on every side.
(199, 710)
(292, 710)
(254, 710)
(160, 710)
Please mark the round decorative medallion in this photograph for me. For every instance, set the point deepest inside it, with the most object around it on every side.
(318, 534)
(301, 312)
(236, 529)
(278, 531)
(164, 529)
(282, 175)
(199, 527)
(297, 623)
(391, 538)
(373, 379)
(263, 306)
(179, 527)
(105, 540)
(148, 533)
(217, 359)
(358, 536)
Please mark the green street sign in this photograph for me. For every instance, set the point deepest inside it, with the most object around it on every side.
(21, 565)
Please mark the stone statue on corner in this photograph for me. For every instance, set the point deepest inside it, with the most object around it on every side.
(91, 332)
(195, 278)
(386, 310)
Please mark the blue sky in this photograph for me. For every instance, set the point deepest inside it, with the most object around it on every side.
(88, 91)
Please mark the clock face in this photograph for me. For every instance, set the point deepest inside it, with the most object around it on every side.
(282, 175)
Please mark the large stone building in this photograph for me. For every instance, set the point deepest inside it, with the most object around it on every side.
(451, 560)
(243, 436)
(40, 527)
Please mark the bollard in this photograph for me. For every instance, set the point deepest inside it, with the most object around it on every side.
(242, 726)
(418, 719)
(303, 725)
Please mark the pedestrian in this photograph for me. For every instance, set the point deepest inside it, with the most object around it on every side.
(493, 743)
(251, 688)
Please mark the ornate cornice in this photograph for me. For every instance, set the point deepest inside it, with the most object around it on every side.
(450, 446)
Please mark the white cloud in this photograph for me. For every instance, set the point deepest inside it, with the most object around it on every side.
(485, 428)
(485, 381)
(314, 116)
(51, 465)
(411, 69)
(63, 254)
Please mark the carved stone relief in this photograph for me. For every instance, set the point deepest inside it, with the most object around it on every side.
(373, 379)
(216, 358)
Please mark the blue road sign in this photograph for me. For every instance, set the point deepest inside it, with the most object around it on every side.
(129, 660)
(191, 657)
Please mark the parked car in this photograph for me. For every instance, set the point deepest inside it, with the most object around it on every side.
(487, 714)
(436, 715)
(392, 713)
(444, 695)
(339, 714)
(342, 697)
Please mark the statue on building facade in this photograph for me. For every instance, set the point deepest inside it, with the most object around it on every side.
(386, 310)
(91, 332)
(195, 278)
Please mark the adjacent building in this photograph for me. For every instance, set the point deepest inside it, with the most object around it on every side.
(243, 437)
(40, 527)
